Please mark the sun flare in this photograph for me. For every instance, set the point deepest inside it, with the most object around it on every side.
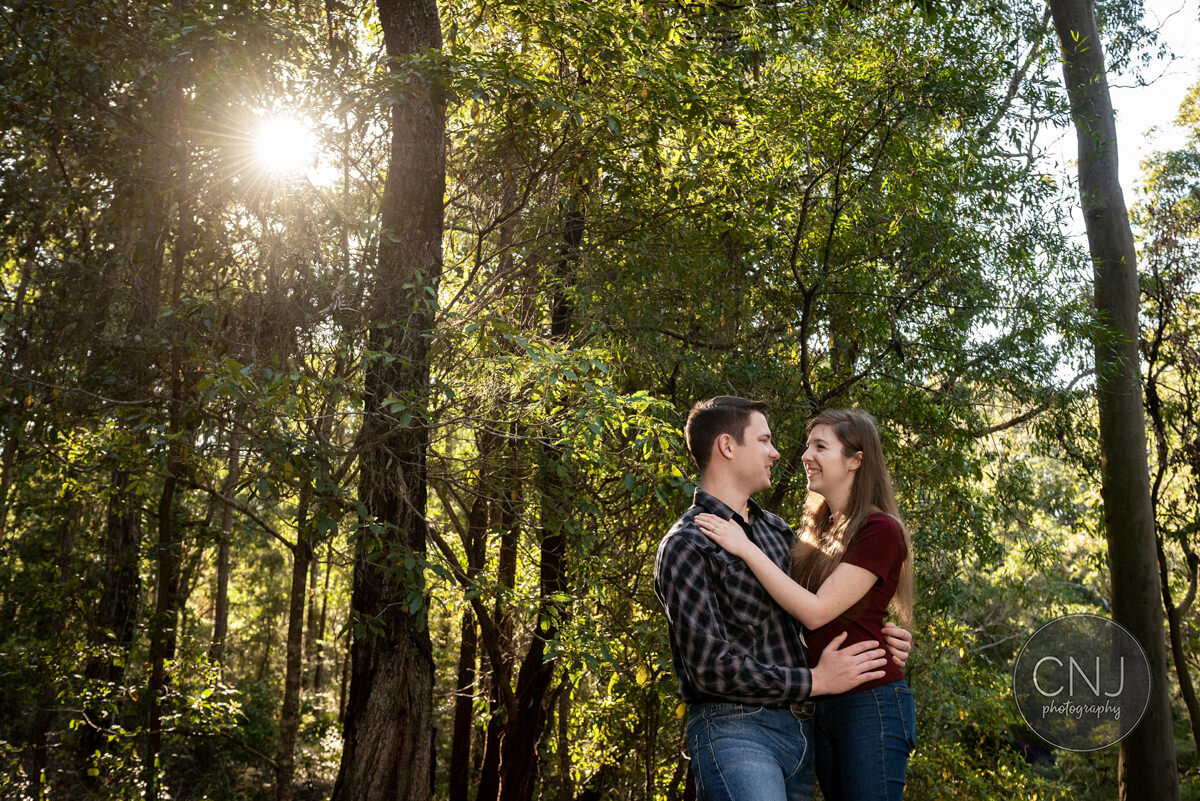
(285, 145)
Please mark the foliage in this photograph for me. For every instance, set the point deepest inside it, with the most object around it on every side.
(648, 203)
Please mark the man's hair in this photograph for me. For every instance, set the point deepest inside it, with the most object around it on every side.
(709, 419)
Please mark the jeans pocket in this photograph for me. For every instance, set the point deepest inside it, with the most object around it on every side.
(695, 757)
(908, 715)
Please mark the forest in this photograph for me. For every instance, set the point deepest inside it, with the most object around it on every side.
(345, 349)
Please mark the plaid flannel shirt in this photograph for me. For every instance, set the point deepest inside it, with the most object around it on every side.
(730, 641)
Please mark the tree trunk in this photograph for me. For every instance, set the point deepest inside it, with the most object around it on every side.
(118, 607)
(289, 718)
(518, 755)
(460, 744)
(162, 625)
(518, 751)
(321, 512)
(1175, 625)
(311, 654)
(650, 756)
(319, 655)
(464, 696)
(563, 746)
(1175, 614)
(506, 576)
(47, 707)
(14, 348)
(387, 753)
(169, 558)
(8, 461)
(1148, 767)
(508, 503)
(682, 775)
(344, 685)
(216, 650)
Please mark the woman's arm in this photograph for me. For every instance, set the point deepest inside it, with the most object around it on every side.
(844, 587)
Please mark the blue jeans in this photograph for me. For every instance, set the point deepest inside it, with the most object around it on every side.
(863, 740)
(742, 752)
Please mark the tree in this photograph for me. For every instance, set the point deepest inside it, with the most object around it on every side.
(387, 751)
(641, 204)
(1170, 345)
(1148, 768)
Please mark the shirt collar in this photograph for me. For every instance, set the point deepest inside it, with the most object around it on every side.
(714, 505)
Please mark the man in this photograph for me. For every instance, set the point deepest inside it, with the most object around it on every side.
(739, 658)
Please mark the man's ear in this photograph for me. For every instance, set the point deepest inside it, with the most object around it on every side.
(724, 445)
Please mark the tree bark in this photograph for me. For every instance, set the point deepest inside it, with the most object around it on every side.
(311, 655)
(169, 553)
(344, 684)
(506, 576)
(387, 753)
(508, 503)
(321, 513)
(319, 655)
(563, 746)
(1148, 767)
(475, 544)
(216, 649)
(519, 755)
(650, 757)
(14, 347)
(289, 717)
(1175, 614)
(460, 743)
(518, 751)
(45, 627)
(162, 624)
(1175, 624)
(118, 607)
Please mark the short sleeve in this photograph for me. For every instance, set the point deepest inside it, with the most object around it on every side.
(879, 547)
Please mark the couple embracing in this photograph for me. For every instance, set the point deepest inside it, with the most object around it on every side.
(768, 708)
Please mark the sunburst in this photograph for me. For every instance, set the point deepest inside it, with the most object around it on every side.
(284, 145)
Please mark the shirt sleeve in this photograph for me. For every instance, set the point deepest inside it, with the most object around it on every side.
(714, 665)
(879, 547)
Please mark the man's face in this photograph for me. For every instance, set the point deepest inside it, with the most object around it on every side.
(755, 456)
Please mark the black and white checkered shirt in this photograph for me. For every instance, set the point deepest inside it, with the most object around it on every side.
(730, 641)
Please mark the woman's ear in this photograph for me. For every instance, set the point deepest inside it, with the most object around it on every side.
(855, 461)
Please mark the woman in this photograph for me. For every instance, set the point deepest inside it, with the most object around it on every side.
(852, 560)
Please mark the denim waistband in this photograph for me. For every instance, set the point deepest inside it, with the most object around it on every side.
(801, 710)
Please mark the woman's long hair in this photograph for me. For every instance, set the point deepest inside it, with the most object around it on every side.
(823, 539)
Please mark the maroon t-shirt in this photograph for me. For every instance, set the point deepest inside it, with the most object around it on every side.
(879, 547)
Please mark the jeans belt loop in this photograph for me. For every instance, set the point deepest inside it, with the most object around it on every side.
(803, 710)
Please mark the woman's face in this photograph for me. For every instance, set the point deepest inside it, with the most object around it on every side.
(830, 472)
